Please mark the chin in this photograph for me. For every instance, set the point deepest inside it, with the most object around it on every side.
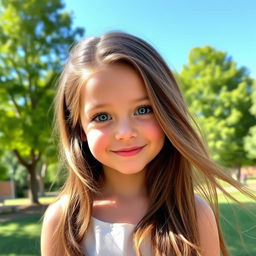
(126, 169)
(131, 171)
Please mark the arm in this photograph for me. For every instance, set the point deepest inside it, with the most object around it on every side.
(208, 231)
(51, 220)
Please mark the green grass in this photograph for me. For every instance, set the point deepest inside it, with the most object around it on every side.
(239, 224)
(237, 195)
(20, 237)
(251, 181)
(25, 201)
(239, 228)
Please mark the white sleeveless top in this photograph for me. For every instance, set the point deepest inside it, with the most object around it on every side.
(115, 239)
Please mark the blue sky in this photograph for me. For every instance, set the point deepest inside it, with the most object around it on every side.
(175, 27)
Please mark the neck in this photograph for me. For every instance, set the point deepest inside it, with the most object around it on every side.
(121, 185)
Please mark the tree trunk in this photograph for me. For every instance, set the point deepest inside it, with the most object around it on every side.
(30, 165)
(33, 186)
(40, 178)
(238, 174)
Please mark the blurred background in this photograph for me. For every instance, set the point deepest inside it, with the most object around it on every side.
(209, 45)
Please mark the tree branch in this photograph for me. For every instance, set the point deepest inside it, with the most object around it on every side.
(19, 75)
(16, 69)
(15, 103)
(34, 157)
(38, 157)
(21, 160)
(29, 77)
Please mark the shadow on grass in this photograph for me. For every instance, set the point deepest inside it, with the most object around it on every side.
(20, 237)
(239, 227)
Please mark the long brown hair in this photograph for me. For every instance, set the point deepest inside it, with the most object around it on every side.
(183, 165)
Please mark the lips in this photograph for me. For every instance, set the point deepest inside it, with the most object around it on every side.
(128, 151)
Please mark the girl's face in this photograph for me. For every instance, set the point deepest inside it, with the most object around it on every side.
(117, 118)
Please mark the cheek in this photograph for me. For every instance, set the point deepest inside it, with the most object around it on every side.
(154, 131)
(97, 141)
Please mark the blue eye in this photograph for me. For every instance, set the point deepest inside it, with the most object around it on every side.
(103, 117)
(144, 110)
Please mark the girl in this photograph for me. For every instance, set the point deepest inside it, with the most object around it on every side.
(134, 159)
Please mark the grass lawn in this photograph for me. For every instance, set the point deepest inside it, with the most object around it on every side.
(25, 201)
(239, 224)
(22, 237)
(237, 195)
(239, 228)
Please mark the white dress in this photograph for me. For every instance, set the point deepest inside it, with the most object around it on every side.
(112, 239)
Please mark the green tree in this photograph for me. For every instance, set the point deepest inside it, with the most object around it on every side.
(3, 170)
(219, 94)
(35, 38)
(250, 139)
(14, 172)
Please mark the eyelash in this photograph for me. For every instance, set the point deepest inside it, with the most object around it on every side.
(104, 113)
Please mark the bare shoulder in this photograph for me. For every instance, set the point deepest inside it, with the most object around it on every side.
(203, 209)
(54, 211)
(207, 226)
(51, 220)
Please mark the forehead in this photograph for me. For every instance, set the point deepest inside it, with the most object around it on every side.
(115, 82)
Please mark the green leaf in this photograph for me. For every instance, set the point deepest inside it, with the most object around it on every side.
(220, 94)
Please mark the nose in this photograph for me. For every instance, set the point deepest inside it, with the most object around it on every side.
(125, 130)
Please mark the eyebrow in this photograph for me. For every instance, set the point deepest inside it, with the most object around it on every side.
(96, 106)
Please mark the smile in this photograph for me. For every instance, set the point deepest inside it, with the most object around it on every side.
(128, 151)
